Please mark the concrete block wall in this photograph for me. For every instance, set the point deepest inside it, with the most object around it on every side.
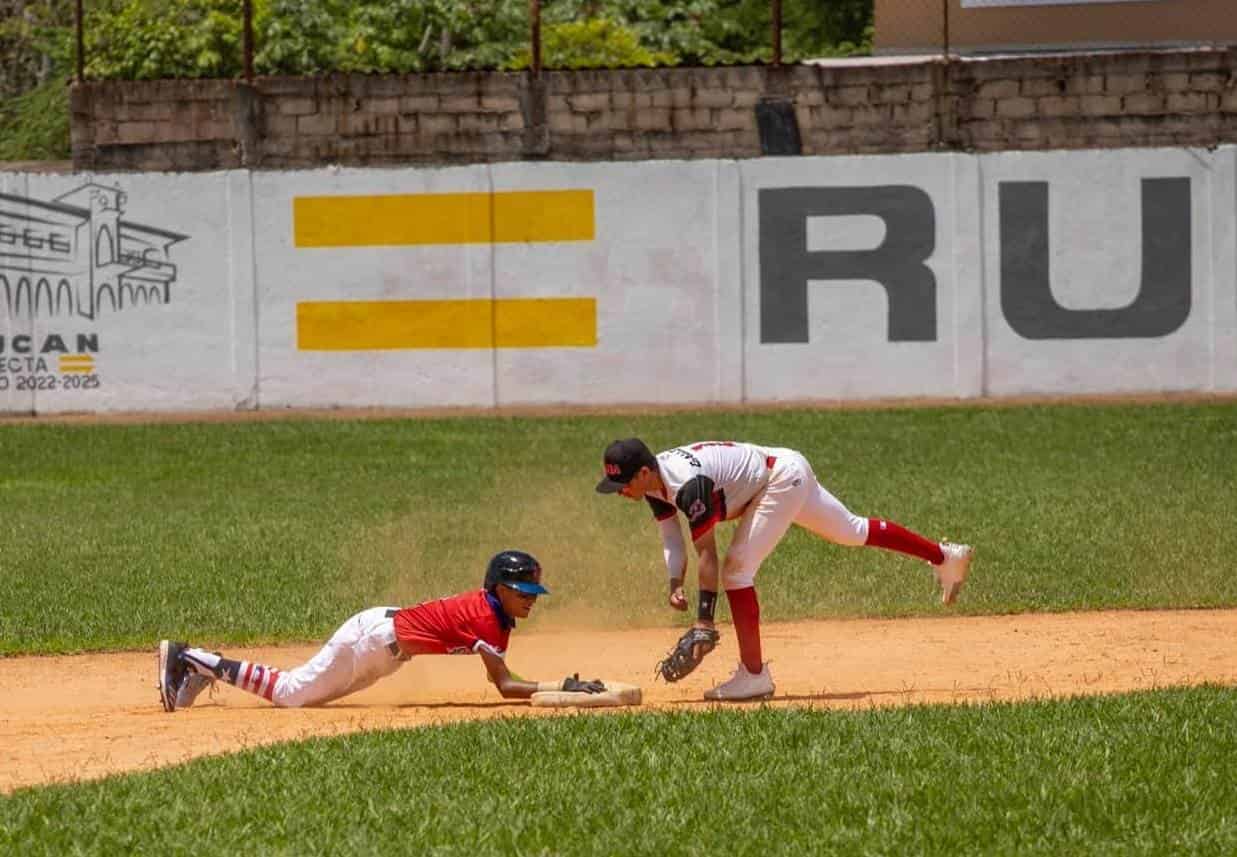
(1083, 101)
(381, 120)
(1103, 100)
(872, 108)
(646, 114)
(168, 125)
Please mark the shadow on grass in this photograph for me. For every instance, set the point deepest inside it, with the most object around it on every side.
(845, 696)
(506, 703)
(798, 697)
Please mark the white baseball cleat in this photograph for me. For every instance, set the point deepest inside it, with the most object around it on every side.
(171, 672)
(951, 574)
(193, 684)
(743, 685)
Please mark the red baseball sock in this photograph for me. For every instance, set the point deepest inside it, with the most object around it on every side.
(745, 612)
(891, 536)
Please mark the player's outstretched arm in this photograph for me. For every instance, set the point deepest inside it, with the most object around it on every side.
(508, 684)
(511, 686)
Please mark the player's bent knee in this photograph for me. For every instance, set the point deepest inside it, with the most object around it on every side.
(739, 579)
(288, 700)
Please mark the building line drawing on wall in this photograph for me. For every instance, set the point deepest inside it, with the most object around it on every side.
(75, 256)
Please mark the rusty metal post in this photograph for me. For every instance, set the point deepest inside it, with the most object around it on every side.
(534, 23)
(775, 13)
(248, 39)
(79, 28)
(945, 25)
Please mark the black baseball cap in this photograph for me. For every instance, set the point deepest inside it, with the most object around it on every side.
(623, 460)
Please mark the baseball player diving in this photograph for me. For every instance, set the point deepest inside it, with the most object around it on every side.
(376, 642)
(766, 489)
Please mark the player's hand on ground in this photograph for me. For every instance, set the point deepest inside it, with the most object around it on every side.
(574, 684)
(678, 598)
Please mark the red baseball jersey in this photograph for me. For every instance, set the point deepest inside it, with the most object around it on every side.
(459, 625)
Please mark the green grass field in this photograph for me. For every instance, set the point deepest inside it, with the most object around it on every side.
(116, 536)
(265, 532)
(1150, 773)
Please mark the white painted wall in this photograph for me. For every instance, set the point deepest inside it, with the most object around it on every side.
(849, 354)
(1095, 222)
(675, 268)
(163, 356)
(667, 308)
(1223, 269)
(13, 400)
(287, 274)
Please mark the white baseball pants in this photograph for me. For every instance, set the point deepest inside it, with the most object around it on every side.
(793, 496)
(356, 656)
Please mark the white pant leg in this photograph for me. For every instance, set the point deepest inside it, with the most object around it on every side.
(767, 519)
(827, 517)
(354, 658)
(372, 657)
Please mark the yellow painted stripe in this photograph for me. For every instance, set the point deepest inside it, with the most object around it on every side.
(71, 360)
(542, 322)
(544, 215)
(443, 218)
(387, 325)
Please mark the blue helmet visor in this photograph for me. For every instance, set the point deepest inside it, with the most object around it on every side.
(527, 587)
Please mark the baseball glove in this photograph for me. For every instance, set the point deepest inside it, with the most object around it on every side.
(575, 684)
(687, 653)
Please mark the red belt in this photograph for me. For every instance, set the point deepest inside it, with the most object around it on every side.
(770, 460)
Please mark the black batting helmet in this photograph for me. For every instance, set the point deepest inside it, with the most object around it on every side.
(516, 569)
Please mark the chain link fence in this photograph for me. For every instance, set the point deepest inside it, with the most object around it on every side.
(245, 38)
(248, 38)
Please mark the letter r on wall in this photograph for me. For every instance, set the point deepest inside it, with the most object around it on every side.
(898, 264)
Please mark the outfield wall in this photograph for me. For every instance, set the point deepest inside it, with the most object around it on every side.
(1106, 271)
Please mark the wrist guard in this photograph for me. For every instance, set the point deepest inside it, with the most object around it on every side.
(708, 603)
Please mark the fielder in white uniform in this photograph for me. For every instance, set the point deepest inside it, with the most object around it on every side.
(766, 489)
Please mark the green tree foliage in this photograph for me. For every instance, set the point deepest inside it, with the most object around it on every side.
(592, 43)
(34, 126)
(34, 66)
(707, 32)
(317, 36)
(32, 43)
(147, 39)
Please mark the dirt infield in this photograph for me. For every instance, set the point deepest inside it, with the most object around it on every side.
(83, 717)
